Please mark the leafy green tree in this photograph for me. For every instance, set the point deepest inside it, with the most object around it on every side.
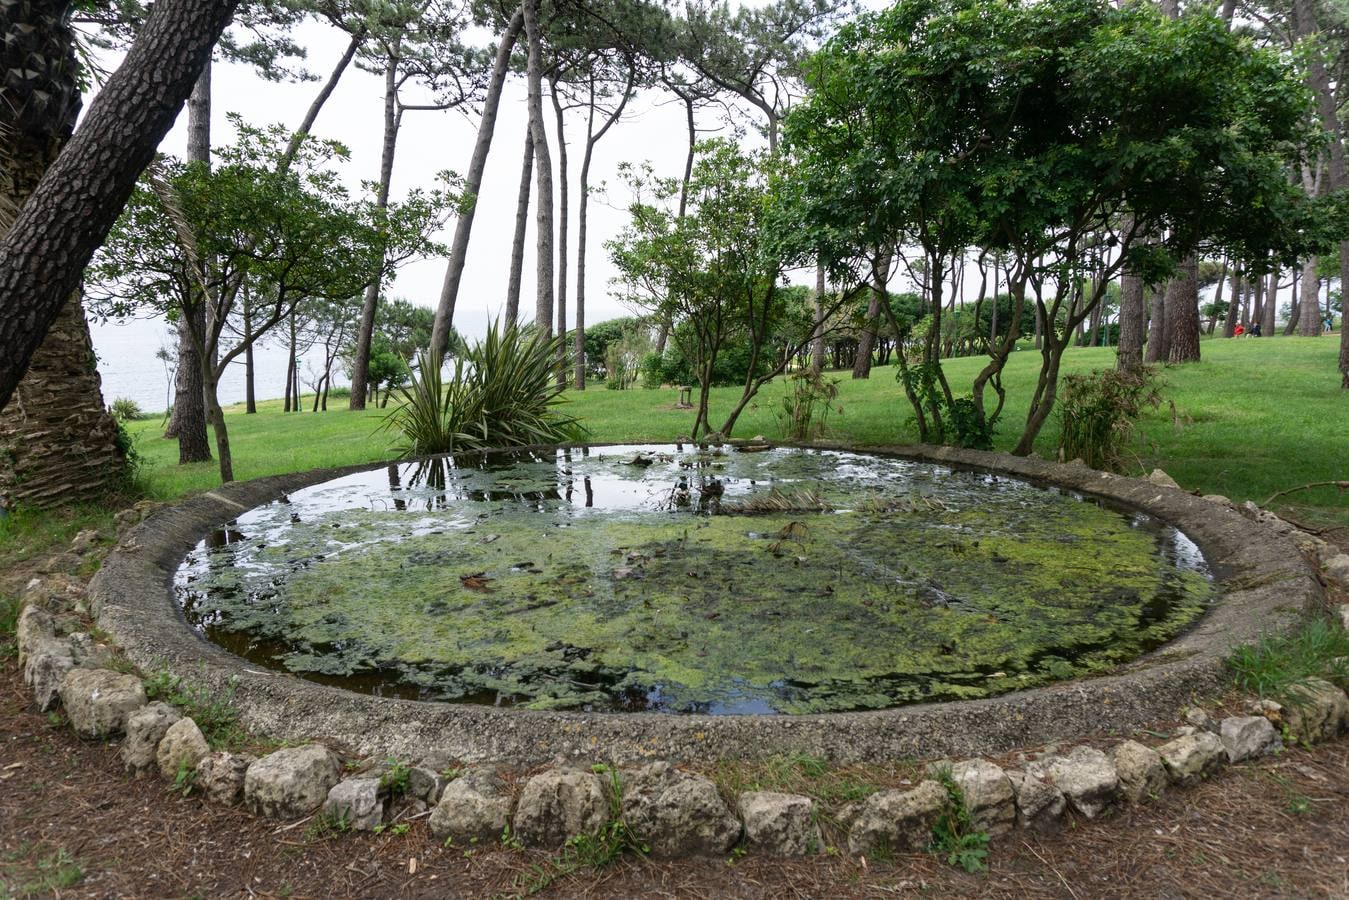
(293, 236)
(1058, 134)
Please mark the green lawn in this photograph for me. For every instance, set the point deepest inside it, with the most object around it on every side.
(1254, 417)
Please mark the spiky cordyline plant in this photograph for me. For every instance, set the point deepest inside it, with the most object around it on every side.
(503, 393)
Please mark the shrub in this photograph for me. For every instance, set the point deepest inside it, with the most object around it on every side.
(503, 392)
(124, 409)
(805, 408)
(1098, 412)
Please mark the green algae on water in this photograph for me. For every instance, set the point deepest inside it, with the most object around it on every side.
(635, 579)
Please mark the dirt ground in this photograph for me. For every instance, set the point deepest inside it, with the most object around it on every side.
(72, 825)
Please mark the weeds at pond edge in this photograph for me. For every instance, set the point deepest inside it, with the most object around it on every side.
(1276, 664)
(216, 716)
(953, 835)
(586, 851)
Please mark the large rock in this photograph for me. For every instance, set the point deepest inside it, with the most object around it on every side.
(1193, 757)
(898, 821)
(145, 728)
(1337, 569)
(220, 776)
(181, 749)
(475, 807)
(676, 813)
(292, 782)
(1316, 711)
(99, 701)
(426, 783)
(34, 625)
(988, 794)
(357, 803)
(1161, 479)
(1142, 774)
(780, 824)
(558, 805)
(46, 665)
(1249, 737)
(1039, 805)
(1085, 775)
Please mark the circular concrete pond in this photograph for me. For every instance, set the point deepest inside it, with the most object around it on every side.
(630, 602)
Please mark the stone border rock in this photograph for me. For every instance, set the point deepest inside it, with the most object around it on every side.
(1265, 583)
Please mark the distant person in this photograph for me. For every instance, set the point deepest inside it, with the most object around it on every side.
(1329, 322)
(1255, 329)
(1239, 330)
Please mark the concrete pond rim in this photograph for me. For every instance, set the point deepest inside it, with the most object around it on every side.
(1264, 581)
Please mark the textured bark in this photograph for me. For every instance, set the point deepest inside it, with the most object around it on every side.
(61, 226)
(1309, 318)
(1270, 313)
(1129, 355)
(360, 364)
(58, 444)
(1182, 314)
(463, 228)
(1294, 306)
(1156, 348)
(1233, 305)
(518, 241)
(543, 174)
(866, 343)
(189, 403)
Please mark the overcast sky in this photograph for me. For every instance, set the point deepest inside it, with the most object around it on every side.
(432, 141)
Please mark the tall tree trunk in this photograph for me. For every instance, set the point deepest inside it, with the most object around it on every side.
(463, 228)
(1294, 305)
(360, 365)
(582, 221)
(1157, 332)
(1258, 302)
(543, 300)
(866, 343)
(663, 333)
(1271, 310)
(1182, 314)
(518, 241)
(817, 340)
(69, 214)
(250, 394)
(563, 203)
(1234, 305)
(1309, 321)
(316, 106)
(189, 404)
(1132, 328)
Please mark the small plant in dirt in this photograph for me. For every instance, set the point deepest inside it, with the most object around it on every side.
(53, 872)
(395, 778)
(326, 825)
(953, 836)
(1275, 664)
(1098, 413)
(9, 620)
(185, 779)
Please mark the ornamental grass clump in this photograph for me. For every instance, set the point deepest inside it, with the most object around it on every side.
(1098, 413)
(503, 392)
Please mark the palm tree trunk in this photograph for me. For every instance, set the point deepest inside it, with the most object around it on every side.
(57, 442)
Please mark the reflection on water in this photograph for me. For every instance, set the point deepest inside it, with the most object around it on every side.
(685, 580)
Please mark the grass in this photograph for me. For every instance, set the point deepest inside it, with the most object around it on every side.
(1254, 417)
(1278, 663)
